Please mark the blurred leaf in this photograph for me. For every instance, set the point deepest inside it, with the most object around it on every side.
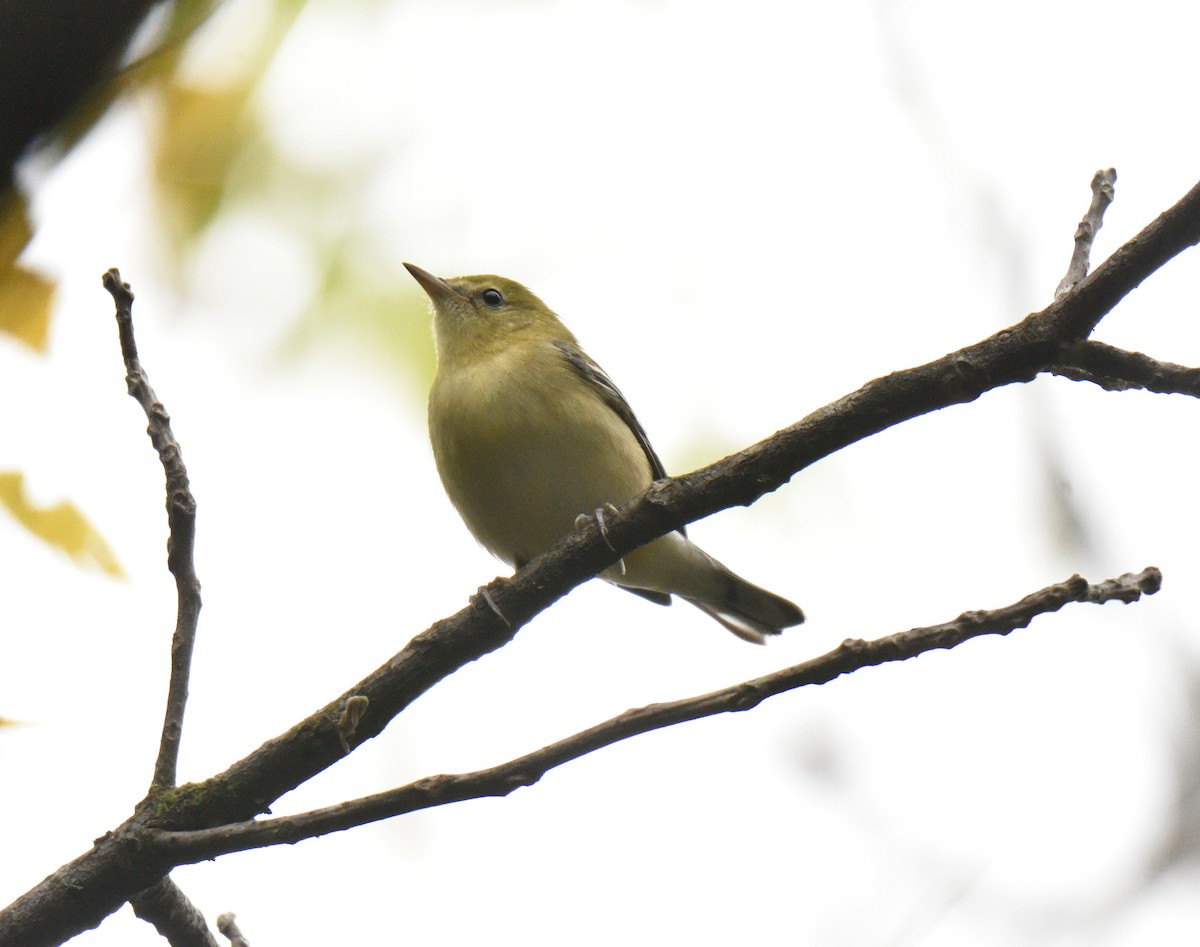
(25, 303)
(214, 155)
(25, 296)
(15, 228)
(156, 65)
(61, 525)
(184, 18)
(376, 309)
(201, 135)
(208, 129)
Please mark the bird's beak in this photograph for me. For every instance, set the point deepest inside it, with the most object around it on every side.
(437, 289)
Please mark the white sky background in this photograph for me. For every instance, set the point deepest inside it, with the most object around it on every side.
(744, 212)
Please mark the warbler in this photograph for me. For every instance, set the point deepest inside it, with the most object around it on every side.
(529, 433)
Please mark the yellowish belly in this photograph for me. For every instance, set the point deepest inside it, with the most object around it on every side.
(521, 457)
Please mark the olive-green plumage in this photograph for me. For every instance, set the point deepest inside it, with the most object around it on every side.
(528, 432)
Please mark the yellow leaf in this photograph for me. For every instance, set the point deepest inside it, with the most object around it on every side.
(61, 525)
(25, 302)
(201, 136)
(15, 228)
(25, 296)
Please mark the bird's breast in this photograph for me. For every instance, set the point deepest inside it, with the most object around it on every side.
(523, 445)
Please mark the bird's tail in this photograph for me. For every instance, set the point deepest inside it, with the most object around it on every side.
(673, 565)
(750, 612)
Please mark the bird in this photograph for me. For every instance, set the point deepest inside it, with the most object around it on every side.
(529, 434)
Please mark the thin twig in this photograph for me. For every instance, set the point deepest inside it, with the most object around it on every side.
(227, 925)
(181, 519)
(851, 655)
(1115, 369)
(1085, 233)
(173, 915)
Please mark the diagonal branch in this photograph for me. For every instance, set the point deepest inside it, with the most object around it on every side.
(852, 655)
(227, 925)
(175, 917)
(181, 518)
(1085, 233)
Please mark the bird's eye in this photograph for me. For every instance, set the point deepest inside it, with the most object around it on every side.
(492, 298)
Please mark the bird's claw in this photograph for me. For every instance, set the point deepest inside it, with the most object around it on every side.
(484, 594)
(582, 519)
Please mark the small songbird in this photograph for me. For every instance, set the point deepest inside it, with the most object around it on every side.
(528, 433)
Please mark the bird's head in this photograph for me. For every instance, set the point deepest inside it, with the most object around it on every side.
(479, 314)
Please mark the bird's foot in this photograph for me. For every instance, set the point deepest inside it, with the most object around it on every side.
(484, 594)
(582, 519)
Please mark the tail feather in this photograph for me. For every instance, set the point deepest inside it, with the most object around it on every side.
(673, 565)
(750, 612)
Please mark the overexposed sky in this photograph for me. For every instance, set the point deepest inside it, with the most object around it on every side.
(743, 212)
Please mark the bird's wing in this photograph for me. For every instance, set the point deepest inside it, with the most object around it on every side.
(595, 378)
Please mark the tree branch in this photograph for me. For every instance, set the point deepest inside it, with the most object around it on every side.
(83, 892)
(1115, 369)
(181, 519)
(1085, 233)
(175, 917)
(227, 925)
(852, 655)
(1111, 368)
